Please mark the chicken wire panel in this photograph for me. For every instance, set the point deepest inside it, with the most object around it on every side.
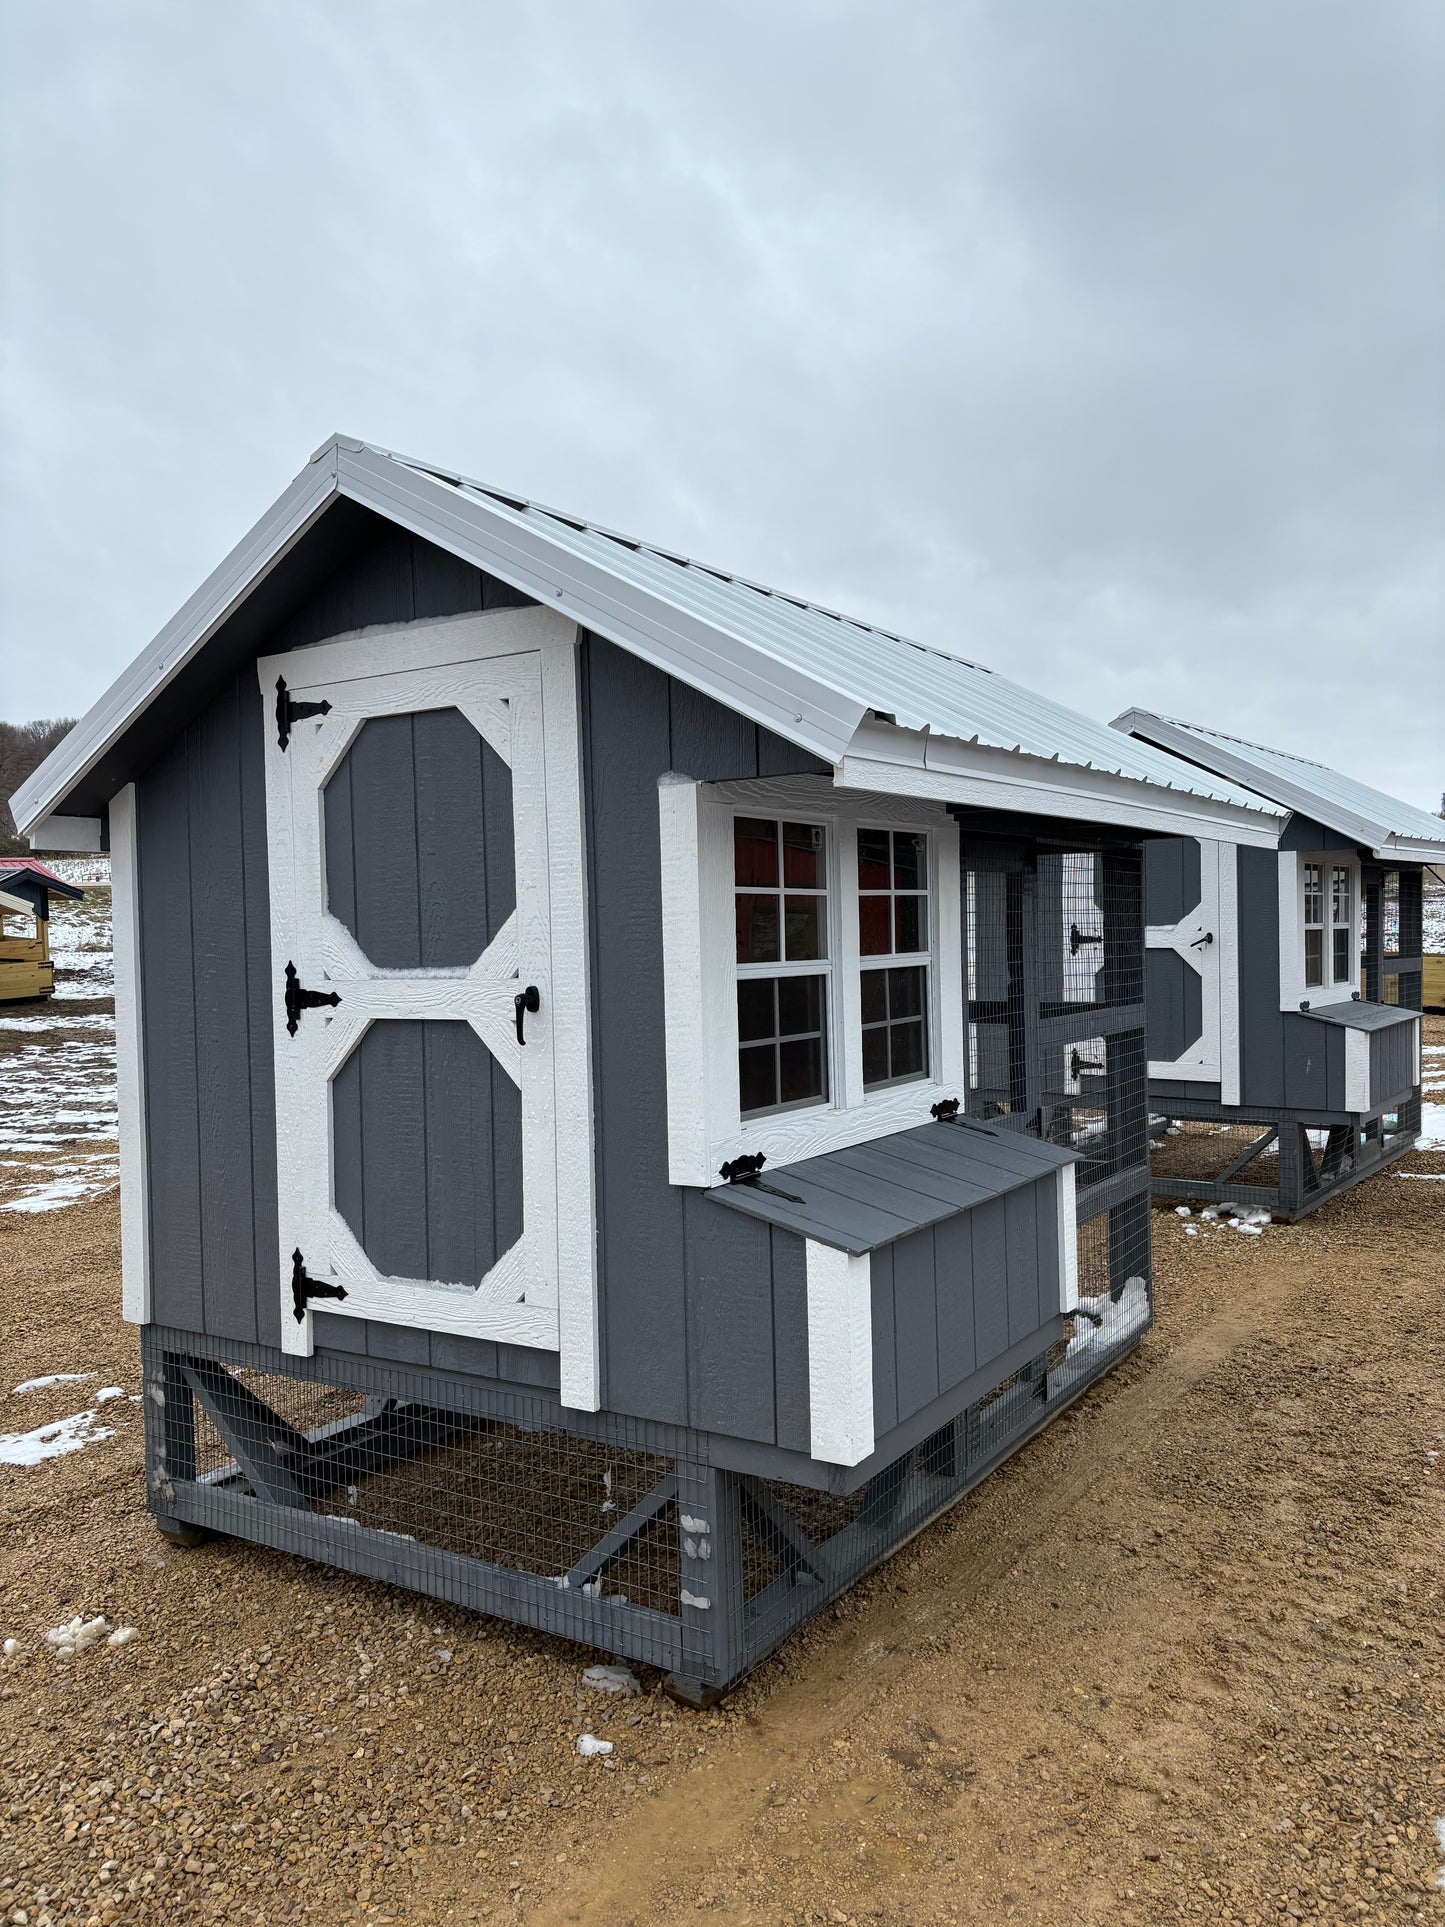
(1279, 1164)
(491, 1502)
(802, 1548)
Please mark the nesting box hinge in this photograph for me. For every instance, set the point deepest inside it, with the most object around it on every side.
(298, 998)
(289, 711)
(304, 1288)
(945, 1111)
(745, 1170)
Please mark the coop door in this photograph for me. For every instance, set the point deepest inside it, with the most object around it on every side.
(430, 1028)
(1190, 921)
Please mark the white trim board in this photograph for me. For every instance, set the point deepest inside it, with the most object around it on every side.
(513, 674)
(840, 1354)
(1206, 938)
(135, 1232)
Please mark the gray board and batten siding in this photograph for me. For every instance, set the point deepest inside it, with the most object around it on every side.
(704, 1320)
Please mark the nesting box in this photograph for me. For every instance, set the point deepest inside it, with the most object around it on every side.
(26, 888)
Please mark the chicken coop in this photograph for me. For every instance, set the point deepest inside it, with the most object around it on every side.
(26, 888)
(1284, 987)
(632, 1085)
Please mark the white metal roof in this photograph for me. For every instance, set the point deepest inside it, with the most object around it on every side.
(810, 674)
(1364, 814)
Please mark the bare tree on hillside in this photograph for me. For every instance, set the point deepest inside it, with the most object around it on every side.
(23, 748)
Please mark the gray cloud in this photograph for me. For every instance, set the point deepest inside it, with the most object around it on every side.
(1099, 342)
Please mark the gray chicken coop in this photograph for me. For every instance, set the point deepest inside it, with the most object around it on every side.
(1284, 987)
(632, 1084)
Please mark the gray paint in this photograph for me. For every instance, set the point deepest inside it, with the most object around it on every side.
(872, 1194)
(957, 1297)
(1392, 1062)
(419, 843)
(427, 1151)
(1174, 998)
(1172, 884)
(205, 964)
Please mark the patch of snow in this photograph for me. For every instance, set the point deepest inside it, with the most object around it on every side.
(1432, 1128)
(1428, 1177)
(1090, 1341)
(692, 1599)
(611, 1679)
(109, 1391)
(589, 1747)
(79, 869)
(123, 1635)
(53, 1378)
(1182, 1211)
(71, 1434)
(444, 1655)
(1440, 1844)
(11, 1648)
(690, 1524)
(76, 1635)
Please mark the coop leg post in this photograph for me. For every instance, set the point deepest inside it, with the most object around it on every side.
(1128, 1243)
(170, 1424)
(939, 1454)
(710, 1566)
(1337, 1148)
(1293, 1151)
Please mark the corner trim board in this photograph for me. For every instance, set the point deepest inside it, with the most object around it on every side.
(840, 1354)
(135, 1252)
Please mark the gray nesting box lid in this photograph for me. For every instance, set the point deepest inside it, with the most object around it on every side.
(870, 1194)
(1362, 1016)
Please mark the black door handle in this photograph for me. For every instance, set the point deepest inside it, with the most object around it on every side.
(1199, 942)
(525, 1000)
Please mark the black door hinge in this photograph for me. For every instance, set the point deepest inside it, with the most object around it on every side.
(1078, 1065)
(303, 1288)
(289, 711)
(1078, 938)
(298, 999)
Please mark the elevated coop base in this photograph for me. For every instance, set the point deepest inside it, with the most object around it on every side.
(627, 1536)
(1285, 1162)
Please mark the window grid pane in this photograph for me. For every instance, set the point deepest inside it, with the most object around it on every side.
(895, 1025)
(782, 1050)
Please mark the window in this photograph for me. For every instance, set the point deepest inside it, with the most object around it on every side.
(893, 923)
(780, 904)
(812, 968)
(1341, 922)
(1314, 926)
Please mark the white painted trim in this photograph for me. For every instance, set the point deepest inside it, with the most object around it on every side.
(574, 1146)
(135, 1235)
(1068, 1217)
(66, 833)
(1292, 988)
(513, 673)
(1357, 1070)
(840, 1354)
(1201, 1063)
(942, 769)
(705, 1127)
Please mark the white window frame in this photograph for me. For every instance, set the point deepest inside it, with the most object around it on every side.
(1293, 990)
(705, 1124)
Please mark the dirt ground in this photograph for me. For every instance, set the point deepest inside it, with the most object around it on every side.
(1181, 1659)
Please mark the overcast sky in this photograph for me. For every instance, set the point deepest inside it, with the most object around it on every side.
(1098, 340)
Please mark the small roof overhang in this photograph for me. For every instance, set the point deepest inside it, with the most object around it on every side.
(866, 1196)
(810, 675)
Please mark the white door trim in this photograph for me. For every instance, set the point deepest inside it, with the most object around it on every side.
(1200, 938)
(543, 1292)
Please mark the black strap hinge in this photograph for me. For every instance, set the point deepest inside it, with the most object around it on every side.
(304, 1288)
(298, 998)
(289, 711)
(1078, 938)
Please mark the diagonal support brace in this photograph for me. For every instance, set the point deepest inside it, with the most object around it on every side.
(270, 1452)
(615, 1542)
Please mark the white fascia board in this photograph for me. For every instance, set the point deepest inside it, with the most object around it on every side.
(17, 906)
(1214, 756)
(183, 637)
(135, 1253)
(1404, 849)
(727, 667)
(944, 770)
(840, 1354)
(66, 833)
